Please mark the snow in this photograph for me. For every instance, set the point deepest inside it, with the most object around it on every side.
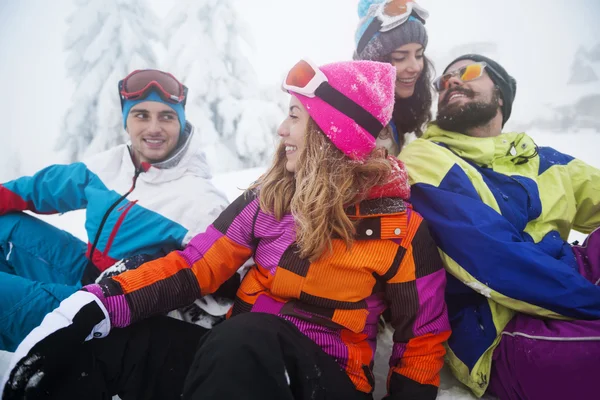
(4, 360)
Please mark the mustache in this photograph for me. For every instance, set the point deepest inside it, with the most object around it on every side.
(467, 92)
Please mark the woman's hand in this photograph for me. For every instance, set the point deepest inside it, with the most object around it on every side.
(48, 349)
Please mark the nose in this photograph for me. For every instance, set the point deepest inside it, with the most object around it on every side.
(413, 65)
(154, 125)
(283, 131)
(453, 82)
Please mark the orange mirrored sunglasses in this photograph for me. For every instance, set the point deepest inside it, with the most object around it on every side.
(467, 73)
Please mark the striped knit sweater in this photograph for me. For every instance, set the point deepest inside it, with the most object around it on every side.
(336, 301)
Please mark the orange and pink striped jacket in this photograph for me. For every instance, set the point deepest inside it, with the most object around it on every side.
(336, 301)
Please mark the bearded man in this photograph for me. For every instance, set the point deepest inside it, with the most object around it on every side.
(524, 304)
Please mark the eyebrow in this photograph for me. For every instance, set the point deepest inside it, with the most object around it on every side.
(147, 111)
(292, 108)
(407, 51)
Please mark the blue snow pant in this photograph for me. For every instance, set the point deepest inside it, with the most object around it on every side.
(40, 265)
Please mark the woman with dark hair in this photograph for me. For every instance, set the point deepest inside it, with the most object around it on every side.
(335, 244)
(394, 32)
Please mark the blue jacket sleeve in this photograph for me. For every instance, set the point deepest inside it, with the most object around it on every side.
(55, 189)
(487, 253)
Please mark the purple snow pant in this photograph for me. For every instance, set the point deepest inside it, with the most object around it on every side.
(551, 359)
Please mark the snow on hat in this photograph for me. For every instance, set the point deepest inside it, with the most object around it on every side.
(370, 85)
(505, 83)
(154, 96)
(386, 25)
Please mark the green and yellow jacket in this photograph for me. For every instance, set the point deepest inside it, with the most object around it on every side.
(500, 210)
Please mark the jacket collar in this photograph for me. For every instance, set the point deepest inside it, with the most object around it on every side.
(386, 199)
(188, 158)
(513, 146)
(397, 184)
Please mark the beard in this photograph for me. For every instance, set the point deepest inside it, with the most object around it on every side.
(462, 117)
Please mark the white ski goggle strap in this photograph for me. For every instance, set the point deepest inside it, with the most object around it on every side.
(396, 12)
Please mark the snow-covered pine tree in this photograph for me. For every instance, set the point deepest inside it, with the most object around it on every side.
(205, 41)
(106, 40)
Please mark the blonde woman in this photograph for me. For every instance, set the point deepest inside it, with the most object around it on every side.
(335, 244)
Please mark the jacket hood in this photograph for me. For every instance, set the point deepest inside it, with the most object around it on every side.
(512, 146)
(397, 186)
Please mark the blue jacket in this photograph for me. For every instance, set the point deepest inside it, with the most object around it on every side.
(157, 208)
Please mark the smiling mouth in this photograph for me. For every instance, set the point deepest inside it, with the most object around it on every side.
(456, 95)
(154, 143)
(407, 81)
(290, 149)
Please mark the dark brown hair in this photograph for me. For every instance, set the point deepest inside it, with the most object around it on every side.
(413, 113)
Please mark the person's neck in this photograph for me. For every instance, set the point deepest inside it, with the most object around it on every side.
(135, 157)
(491, 129)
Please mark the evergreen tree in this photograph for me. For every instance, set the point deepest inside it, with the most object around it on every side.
(106, 40)
(206, 40)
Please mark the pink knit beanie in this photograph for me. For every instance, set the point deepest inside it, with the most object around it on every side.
(370, 85)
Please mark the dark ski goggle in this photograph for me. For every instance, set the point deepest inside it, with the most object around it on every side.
(139, 83)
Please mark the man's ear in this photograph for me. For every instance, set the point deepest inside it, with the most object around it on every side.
(499, 94)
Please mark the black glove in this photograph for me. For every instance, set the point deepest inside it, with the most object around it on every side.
(47, 351)
(406, 389)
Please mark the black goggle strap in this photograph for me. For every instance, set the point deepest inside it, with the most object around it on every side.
(348, 107)
(369, 33)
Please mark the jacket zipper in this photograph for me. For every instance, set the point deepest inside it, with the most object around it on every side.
(115, 229)
(138, 171)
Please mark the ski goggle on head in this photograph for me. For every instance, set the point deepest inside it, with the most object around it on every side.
(467, 73)
(387, 15)
(306, 79)
(394, 13)
(139, 83)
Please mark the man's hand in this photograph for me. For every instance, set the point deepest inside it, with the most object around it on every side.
(47, 350)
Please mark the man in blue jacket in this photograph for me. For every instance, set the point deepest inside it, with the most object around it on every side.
(524, 305)
(147, 197)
